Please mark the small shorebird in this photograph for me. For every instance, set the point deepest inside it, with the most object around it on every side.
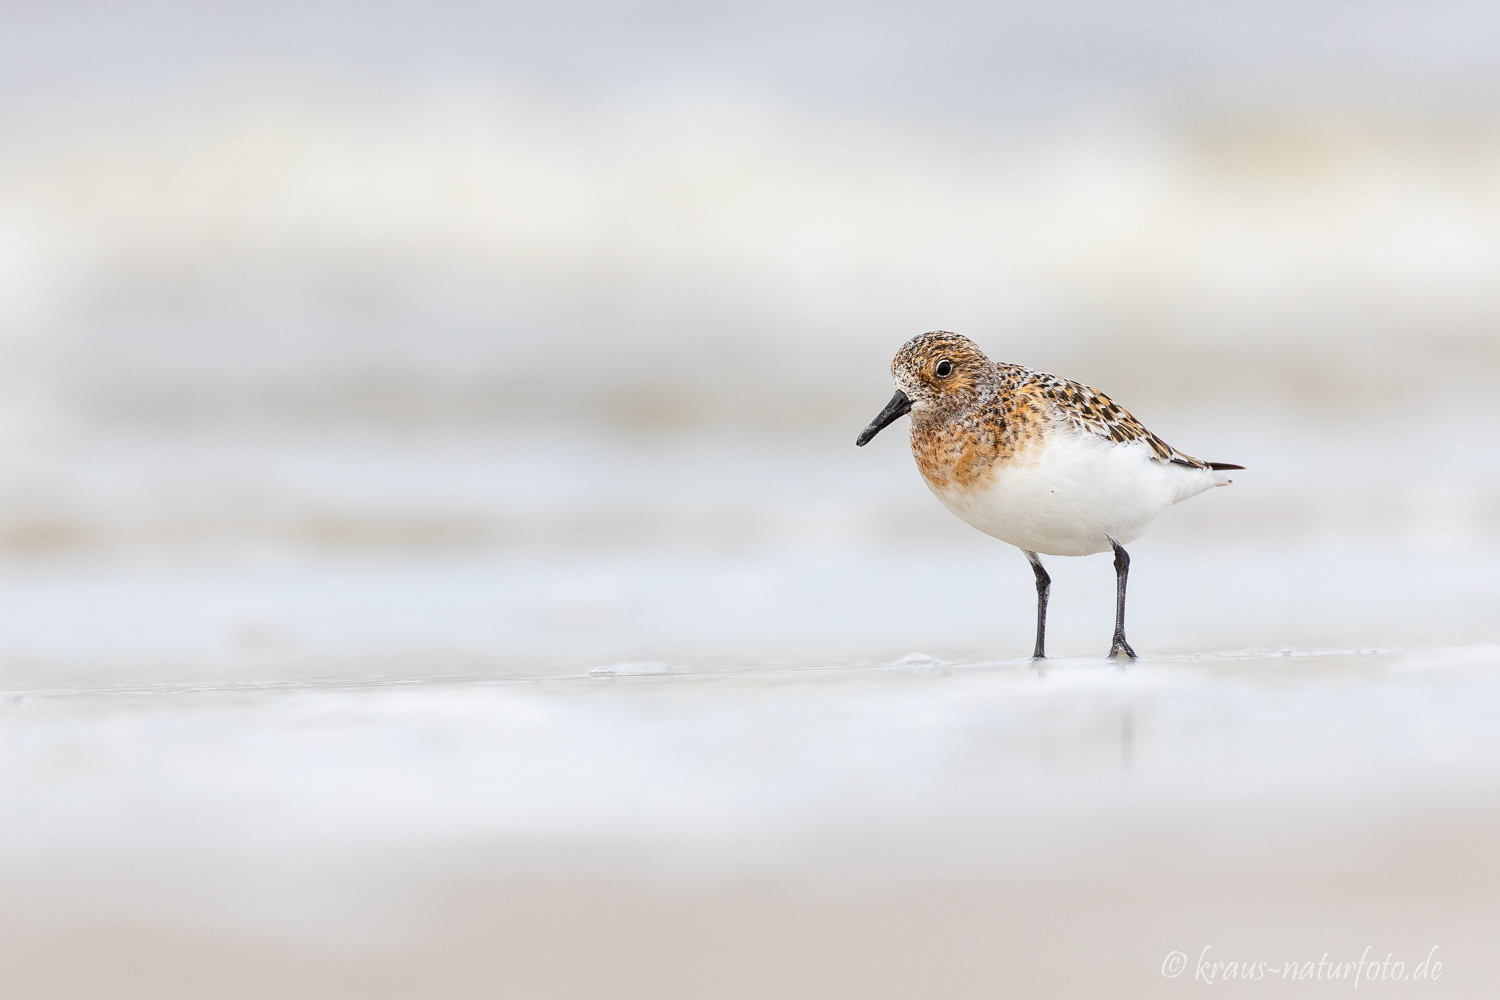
(1048, 465)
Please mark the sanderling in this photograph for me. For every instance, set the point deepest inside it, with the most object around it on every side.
(1046, 464)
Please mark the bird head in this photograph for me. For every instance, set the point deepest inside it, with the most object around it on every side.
(936, 373)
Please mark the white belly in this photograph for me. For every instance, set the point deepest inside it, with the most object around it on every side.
(1074, 493)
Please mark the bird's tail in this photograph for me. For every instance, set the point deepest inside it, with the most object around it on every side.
(1197, 464)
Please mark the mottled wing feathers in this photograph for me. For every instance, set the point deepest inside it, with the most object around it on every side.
(1090, 410)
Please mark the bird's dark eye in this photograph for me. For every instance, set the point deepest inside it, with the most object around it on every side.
(944, 368)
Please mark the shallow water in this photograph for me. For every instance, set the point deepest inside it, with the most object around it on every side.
(354, 825)
(353, 715)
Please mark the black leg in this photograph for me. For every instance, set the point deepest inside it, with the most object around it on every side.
(1043, 588)
(1122, 570)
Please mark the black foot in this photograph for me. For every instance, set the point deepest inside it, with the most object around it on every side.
(1122, 569)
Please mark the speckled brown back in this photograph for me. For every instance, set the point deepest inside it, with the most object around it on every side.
(984, 415)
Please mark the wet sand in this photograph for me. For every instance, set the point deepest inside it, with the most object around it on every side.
(448, 717)
(919, 827)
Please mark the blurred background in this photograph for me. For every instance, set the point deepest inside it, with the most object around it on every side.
(478, 355)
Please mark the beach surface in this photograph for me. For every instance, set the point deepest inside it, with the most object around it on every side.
(732, 744)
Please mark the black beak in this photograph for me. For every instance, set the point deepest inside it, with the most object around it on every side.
(899, 406)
